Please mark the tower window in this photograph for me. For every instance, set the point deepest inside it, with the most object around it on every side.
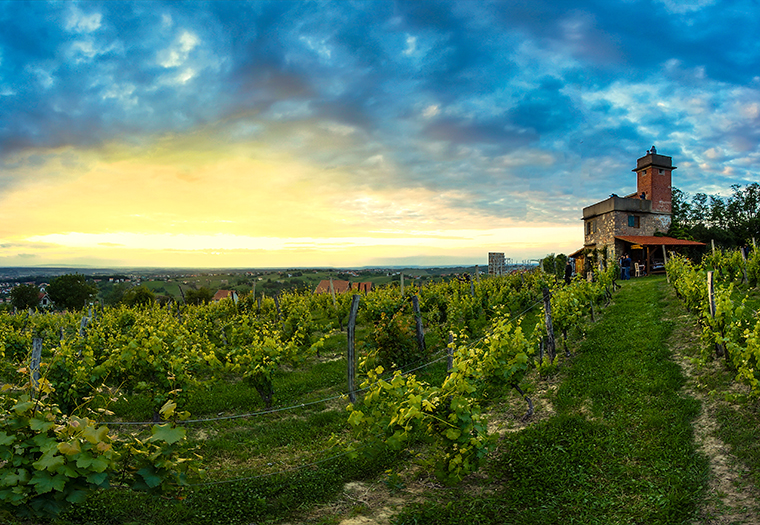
(633, 221)
(662, 171)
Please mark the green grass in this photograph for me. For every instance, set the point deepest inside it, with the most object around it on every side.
(620, 447)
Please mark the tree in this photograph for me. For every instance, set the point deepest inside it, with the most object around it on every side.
(139, 295)
(113, 294)
(71, 291)
(25, 296)
(200, 296)
(729, 221)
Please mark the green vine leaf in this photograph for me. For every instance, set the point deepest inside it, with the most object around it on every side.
(167, 434)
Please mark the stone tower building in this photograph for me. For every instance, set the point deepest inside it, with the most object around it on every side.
(643, 213)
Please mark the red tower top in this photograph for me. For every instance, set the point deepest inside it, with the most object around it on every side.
(653, 180)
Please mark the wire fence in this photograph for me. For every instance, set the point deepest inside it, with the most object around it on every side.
(366, 445)
(343, 395)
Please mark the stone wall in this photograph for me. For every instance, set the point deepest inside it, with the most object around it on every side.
(615, 223)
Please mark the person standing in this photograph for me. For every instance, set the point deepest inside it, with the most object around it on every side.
(625, 267)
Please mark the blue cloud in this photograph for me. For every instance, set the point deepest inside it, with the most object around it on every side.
(590, 84)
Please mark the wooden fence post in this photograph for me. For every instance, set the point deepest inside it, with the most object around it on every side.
(402, 284)
(550, 345)
(34, 366)
(719, 350)
(332, 293)
(277, 305)
(712, 242)
(450, 354)
(418, 318)
(351, 332)
(83, 326)
(477, 273)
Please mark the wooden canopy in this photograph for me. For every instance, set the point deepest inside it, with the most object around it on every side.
(653, 240)
(653, 258)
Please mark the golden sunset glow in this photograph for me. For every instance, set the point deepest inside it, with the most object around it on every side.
(228, 208)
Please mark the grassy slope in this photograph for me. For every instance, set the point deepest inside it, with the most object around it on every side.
(618, 450)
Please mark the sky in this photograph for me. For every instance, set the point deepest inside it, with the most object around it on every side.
(356, 133)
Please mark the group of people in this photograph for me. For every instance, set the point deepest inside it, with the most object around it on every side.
(625, 267)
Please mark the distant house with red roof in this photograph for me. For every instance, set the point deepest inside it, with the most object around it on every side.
(342, 286)
(44, 300)
(225, 294)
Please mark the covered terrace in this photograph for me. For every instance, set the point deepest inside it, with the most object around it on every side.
(648, 252)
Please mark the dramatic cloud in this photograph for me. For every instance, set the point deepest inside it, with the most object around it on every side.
(284, 127)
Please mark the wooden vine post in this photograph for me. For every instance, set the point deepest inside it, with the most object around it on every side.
(332, 293)
(277, 306)
(402, 284)
(744, 265)
(418, 318)
(335, 304)
(450, 354)
(719, 350)
(34, 366)
(550, 345)
(351, 331)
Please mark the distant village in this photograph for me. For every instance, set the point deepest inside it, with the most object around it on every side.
(233, 283)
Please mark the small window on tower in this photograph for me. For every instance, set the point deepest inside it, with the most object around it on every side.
(662, 171)
(633, 221)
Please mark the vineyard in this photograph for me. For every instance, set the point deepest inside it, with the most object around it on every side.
(717, 292)
(121, 398)
(244, 412)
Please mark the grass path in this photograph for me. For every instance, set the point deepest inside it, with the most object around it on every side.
(722, 430)
(620, 447)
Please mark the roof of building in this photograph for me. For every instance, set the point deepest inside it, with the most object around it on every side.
(342, 286)
(223, 294)
(338, 285)
(653, 240)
